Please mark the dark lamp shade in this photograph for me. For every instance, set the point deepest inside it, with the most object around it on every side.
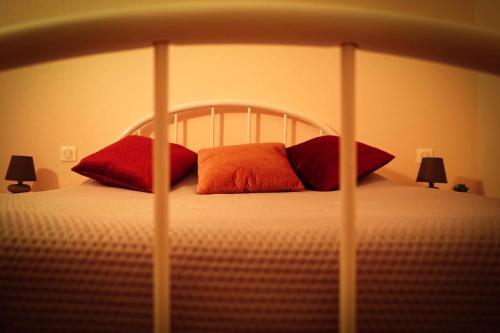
(432, 170)
(21, 168)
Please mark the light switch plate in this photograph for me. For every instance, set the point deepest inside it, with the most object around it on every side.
(67, 153)
(424, 152)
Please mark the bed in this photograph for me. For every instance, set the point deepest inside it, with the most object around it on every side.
(79, 259)
(241, 269)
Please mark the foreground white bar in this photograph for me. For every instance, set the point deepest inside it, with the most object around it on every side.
(212, 126)
(285, 128)
(161, 186)
(347, 190)
(249, 124)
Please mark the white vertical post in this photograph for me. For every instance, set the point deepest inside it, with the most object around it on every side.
(161, 184)
(285, 128)
(176, 127)
(249, 124)
(347, 188)
(320, 132)
(212, 125)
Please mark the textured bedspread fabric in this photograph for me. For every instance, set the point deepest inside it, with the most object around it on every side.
(80, 260)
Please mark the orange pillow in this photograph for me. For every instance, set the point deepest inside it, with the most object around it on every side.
(257, 167)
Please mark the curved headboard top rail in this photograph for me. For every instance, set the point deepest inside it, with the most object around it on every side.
(244, 107)
(270, 22)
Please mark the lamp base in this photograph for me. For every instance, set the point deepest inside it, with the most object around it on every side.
(431, 185)
(19, 188)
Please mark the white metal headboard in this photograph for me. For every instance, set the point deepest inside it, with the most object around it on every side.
(250, 107)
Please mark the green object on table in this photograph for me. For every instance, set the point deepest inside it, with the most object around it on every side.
(460, 188)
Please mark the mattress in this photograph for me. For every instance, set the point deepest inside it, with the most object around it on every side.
(79, 259)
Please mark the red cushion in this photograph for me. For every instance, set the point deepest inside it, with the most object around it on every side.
(316, 161)
(127, 163)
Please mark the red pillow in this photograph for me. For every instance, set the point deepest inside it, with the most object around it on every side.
(127, 163)
(316, 161)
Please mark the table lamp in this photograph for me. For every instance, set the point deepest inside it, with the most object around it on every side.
(432, 171)
(21, 168)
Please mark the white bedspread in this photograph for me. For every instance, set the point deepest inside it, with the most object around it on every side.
(80, 260)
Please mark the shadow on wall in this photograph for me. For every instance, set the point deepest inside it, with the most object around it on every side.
(46, 180)
(396, 177)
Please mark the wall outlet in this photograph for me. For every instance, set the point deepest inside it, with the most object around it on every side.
(67, 153)
(424, 152)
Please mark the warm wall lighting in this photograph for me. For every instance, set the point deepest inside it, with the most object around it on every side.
(21, 168)
(432, 171)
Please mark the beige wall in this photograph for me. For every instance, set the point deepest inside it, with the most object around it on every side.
(403, 104)
(83, 102)
(488, 108)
